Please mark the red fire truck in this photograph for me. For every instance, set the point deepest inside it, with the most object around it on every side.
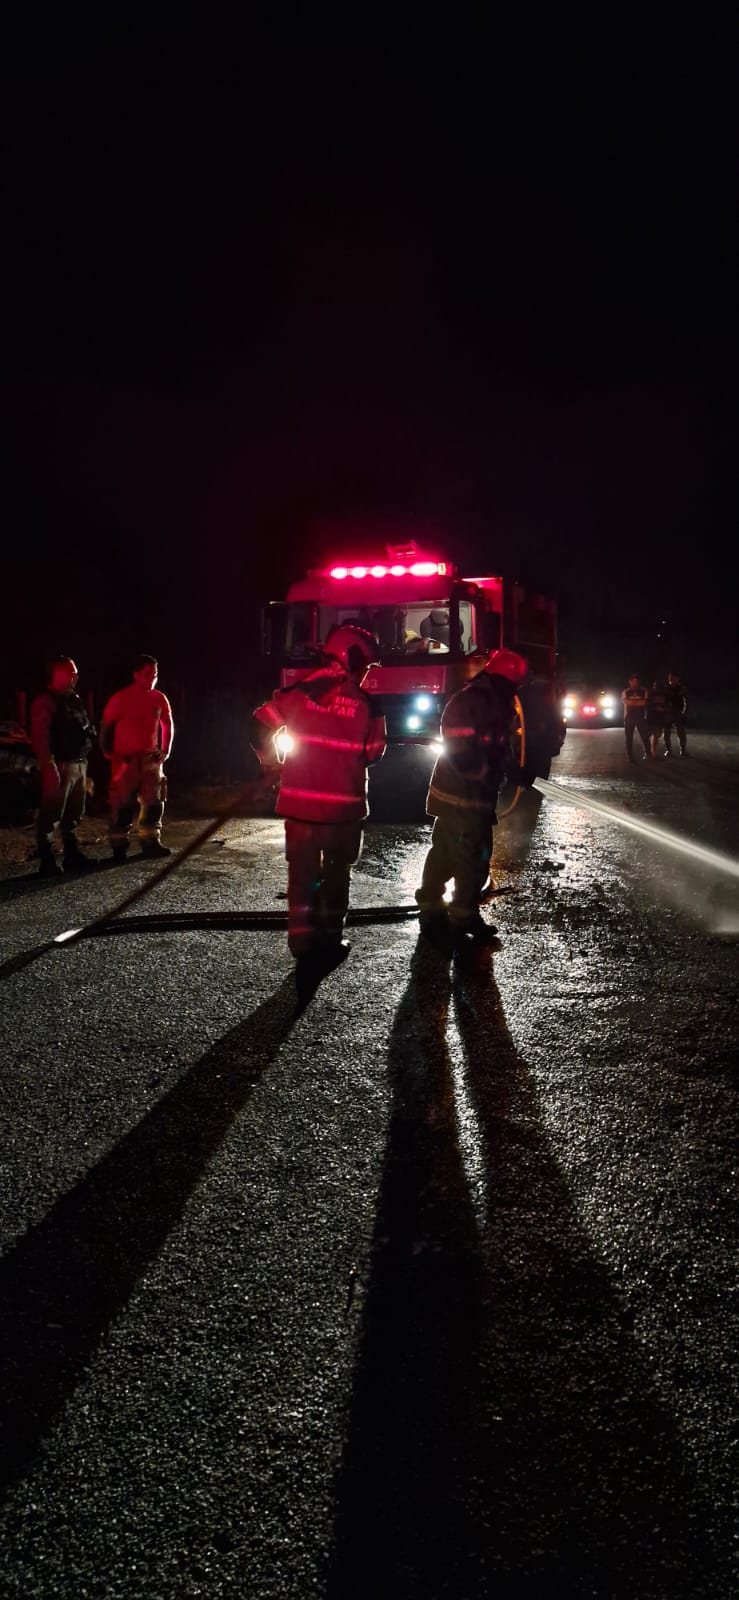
(435, 628)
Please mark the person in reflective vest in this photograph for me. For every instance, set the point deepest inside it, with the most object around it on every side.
(634, 698)
(332, 733)
(62, 736)
(476, 729)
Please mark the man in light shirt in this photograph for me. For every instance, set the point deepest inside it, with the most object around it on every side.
(136, 737)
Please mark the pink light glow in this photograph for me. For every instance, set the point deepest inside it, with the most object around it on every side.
(378, 572)
(398, 571)
(338, 572)
(425, 569)
(358, 572)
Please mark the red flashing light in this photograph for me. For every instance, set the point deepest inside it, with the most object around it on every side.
(419, 569)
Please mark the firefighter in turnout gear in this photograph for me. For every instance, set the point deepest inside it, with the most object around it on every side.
(335, 732)
(136, 738)
(476, 728)
(62, 736)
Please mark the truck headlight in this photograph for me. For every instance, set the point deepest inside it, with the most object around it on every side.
(423, 702)
(413, 723)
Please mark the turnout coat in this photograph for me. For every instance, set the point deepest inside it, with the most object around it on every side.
(337, 730)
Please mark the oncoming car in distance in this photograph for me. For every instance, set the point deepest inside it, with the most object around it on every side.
(583, 707)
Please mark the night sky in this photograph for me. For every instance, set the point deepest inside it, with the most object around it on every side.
(271, 292)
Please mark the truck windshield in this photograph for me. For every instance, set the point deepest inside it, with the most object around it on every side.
(416, 628)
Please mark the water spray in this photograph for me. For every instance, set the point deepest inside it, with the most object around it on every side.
(714, 859)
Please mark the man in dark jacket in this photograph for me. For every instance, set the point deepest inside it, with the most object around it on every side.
(476, 728)
(62, 736)
(656, 714)
(335, 732)
(677, 705)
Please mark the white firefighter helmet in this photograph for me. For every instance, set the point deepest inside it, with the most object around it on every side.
(507, 664)
(356, 648)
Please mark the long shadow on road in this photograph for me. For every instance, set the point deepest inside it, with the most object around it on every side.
(504, 1438)
(71, 1274)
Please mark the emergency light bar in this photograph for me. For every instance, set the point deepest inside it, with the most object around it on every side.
(417, 569)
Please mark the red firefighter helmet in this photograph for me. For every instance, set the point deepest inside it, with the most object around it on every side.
(356, 648)
(507, 664)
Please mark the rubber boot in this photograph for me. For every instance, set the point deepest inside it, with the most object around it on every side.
(153, 848)
(49, 866)
(74, 860)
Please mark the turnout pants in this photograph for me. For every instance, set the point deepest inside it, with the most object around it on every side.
(136, 778)
(638, 720)
(320, 857)
(461, 848)
(62, 802)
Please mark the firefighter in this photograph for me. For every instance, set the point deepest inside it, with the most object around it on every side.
(634, 698)
(136, 738)
(337, 732)
(677, 705)
(62, 736)
(656, 714)
(476, 728)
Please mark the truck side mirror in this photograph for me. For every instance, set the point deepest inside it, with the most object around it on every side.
(273, 627)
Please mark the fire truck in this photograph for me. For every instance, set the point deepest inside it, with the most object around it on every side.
(435, 628)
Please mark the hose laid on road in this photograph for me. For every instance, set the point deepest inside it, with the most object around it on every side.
(114, 922)
(241, 921)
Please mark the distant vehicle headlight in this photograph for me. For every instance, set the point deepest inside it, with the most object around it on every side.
(608, 703)
(413, 722)
(437, 747)
(423, 702)
(569, 702)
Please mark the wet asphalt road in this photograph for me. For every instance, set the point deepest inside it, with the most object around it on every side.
(423, 1287)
